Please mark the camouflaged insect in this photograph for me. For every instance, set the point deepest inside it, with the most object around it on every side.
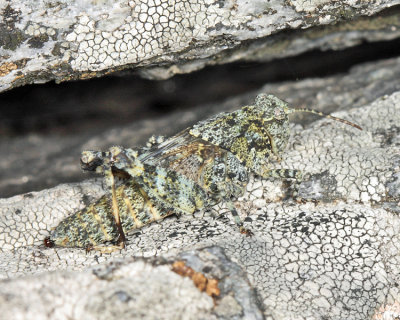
(199, 167)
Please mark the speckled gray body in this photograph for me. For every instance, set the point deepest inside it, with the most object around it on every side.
(199, 167)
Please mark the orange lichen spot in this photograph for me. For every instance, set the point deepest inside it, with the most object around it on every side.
(200, 281)
(204, 284)
(182, 269)
(6, 68)
(18, 77)
(88, 75)
(212, 288)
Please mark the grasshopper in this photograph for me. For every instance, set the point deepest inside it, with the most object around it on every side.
(195, 169)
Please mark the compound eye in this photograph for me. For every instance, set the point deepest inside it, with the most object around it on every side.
(48, 242)
(279, 113)
(90, 160)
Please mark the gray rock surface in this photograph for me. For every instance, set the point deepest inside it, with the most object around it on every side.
(115, 296)
(334, 259)
(45, 40)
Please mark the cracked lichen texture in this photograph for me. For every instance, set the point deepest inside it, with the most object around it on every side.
(338, 258)
(45, 40)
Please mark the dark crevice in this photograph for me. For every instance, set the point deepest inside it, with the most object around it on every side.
(98, 104)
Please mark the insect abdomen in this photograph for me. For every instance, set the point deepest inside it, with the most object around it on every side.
(95, 224)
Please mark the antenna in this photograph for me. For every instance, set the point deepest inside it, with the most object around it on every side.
(325, 116)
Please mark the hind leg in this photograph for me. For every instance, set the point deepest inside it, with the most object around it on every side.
(296, 176)
(100, 162)
(237, 219)
(110, 182)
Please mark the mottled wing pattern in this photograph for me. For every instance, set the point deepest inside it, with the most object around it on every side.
(196, 168)
(172, 191)
(214, 169)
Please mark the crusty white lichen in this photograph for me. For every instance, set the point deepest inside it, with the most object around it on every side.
(62, 40)
(337, 258)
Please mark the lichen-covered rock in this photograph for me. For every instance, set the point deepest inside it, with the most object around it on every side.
(44, 40)
(127, 291)
(337, 258)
